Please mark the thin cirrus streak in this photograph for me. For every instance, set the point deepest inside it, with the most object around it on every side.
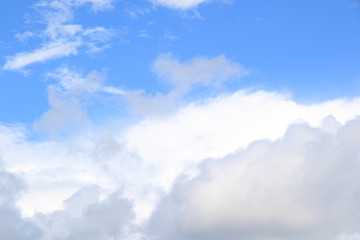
(60, 37)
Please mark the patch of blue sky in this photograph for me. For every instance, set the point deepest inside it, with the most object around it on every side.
(307, 48)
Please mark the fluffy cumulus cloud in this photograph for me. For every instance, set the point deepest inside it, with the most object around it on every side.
(302, 186)
(275, 188)
(85, 217)
(61, 38)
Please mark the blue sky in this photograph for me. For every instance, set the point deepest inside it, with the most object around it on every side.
(307, 48)
(179, 119)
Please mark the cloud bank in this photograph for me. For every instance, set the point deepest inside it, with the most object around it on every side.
(182, 183)
(299, 182)
(302, 186)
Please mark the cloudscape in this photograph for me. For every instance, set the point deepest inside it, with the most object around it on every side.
(180, 120)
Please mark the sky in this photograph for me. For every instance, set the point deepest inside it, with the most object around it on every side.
(179, 119)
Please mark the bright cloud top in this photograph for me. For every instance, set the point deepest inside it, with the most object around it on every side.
(303, 186)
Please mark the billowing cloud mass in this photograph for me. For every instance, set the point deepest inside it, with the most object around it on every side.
(85, 217)
(277, 176)
(12, 225)
(302, 186)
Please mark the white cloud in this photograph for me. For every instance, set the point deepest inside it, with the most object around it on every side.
(66, 114)
(51, 51)
(24, 36)
(184, 4)
(93, 82)
(183, 78)
(143, 34)
(302, 186)
(97, 5)
(68, 100)
(179, 4)
(197, 71)
(61, 38)
(144, 159)
(86, 217)
(12, 226)
(147, 157)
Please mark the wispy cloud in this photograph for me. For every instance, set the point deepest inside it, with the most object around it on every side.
(143, 34)
(202, 71)
(93, 82)
(183, 77)
(68, 100)
(61, 38)
(52, 50)
(179, 4)
(184, 4)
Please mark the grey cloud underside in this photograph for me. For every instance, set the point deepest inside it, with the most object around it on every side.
(85, 217)
(304, 186)
(12, 226)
